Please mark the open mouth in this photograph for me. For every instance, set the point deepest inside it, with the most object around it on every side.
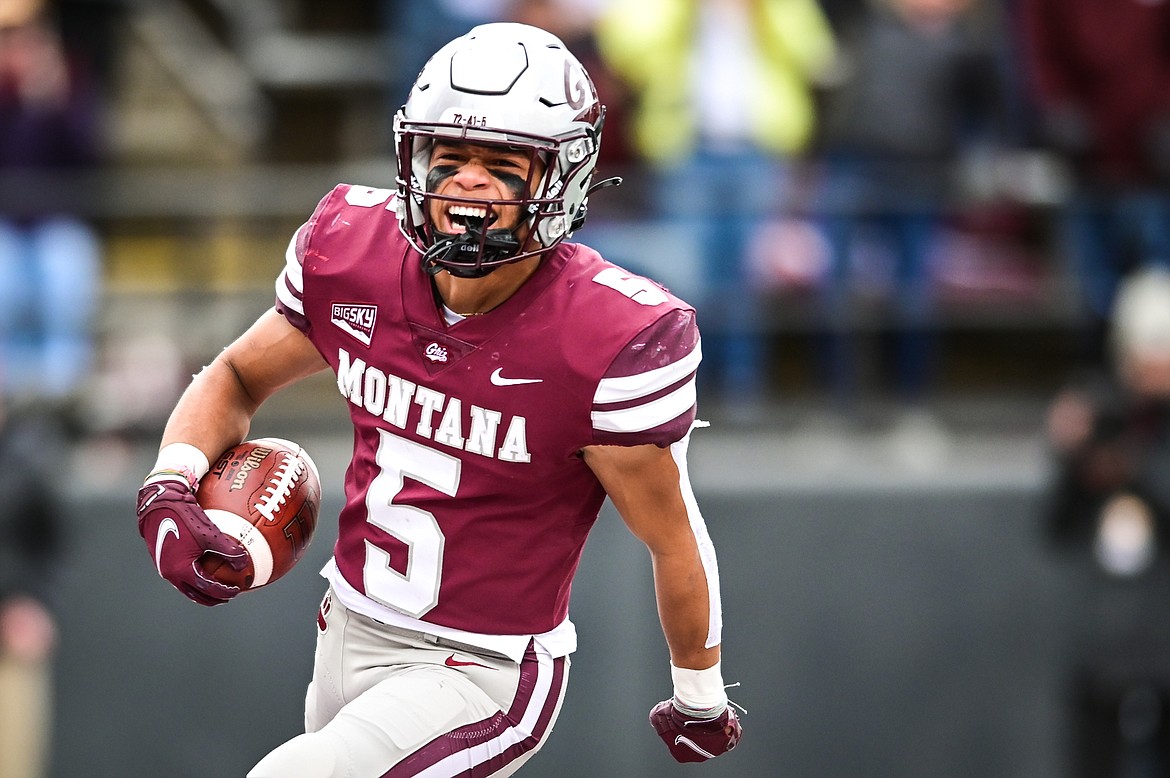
(462, 218)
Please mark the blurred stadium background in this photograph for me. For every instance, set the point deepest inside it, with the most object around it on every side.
(892, 608)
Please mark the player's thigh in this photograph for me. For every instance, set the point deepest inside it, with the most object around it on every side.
(354, 654)
(378, 700)
(427, 720)
(382, 726)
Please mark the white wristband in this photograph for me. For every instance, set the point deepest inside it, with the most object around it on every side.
(184, 458)
(699, 689)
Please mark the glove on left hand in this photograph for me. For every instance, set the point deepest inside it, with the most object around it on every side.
(692, 738)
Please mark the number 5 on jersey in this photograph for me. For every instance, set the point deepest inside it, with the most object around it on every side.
(417, 591)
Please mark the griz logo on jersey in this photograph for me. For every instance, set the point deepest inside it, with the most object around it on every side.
(435, 416)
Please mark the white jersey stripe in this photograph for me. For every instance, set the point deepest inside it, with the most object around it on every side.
(286, 296)
(292, 264)
(647, 415)
(290, 284)
(623, 388)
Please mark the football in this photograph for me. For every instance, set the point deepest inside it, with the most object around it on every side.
(265, 493)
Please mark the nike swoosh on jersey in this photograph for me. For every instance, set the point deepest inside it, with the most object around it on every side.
(451, 661)
(686, 741)
(499, 380)
(165, 527)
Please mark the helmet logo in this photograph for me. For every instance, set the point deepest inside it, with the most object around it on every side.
(574, 91)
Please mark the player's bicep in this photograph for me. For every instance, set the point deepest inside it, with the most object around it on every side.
(269, 356)
(644, 484)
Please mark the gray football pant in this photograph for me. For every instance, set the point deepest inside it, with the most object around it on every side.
(384, 705)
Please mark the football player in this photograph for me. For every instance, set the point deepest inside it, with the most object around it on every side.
(501, 383)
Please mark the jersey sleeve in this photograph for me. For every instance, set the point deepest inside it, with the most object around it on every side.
(647, 395)
(290, 284)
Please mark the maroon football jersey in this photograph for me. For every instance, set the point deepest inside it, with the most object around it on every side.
(467, 501)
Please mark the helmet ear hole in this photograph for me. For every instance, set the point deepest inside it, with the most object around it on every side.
(541, 99)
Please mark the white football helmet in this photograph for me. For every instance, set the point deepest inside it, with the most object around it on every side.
(513, 85)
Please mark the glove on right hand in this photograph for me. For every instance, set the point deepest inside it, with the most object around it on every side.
(178, 534)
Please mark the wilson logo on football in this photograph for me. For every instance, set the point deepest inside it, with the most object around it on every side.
(254, 459)
(356, 319)
(435, 352)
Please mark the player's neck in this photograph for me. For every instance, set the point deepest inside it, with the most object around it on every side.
(473, 296)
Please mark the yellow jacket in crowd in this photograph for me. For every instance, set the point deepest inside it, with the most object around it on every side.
(648, 43)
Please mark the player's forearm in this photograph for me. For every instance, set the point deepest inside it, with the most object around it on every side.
(684, 607)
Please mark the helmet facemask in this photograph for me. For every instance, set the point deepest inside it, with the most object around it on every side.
(544, 220)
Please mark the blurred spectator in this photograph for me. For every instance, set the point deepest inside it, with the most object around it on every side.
(1110, 509)
(1111, 433)
(49, 259)
(49, 281)
(32, 449)
(1100, 82)
(723, 98)
(921, 92)
(92, 30)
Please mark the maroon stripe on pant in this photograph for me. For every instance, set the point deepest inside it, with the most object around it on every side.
(483, 732)
(542, 723)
